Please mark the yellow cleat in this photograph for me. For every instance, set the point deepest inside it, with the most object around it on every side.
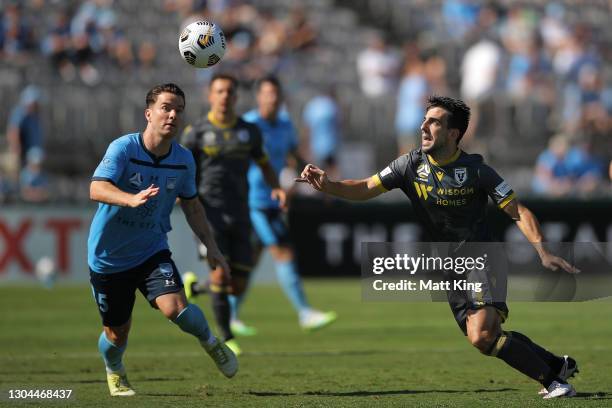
(189, 278)
(233, 345)
(119, 386)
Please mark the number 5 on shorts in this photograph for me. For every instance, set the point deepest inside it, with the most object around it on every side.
(100, 299)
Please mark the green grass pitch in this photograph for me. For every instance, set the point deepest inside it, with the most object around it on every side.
(376, 354)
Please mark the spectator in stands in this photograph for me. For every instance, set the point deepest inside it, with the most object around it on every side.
(25, 130)
(586, 168)
(301, 35)
(16, 35)
(412, 95)
(479, 78)
(33, 183)
(460, 17)
(552, 173)
(378, 67)
(322, 120)
(57, 46)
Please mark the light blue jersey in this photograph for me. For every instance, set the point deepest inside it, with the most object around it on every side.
(121, 238)
(279, 139)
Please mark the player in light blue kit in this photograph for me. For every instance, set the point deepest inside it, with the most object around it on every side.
(266, 216)
(136, 184)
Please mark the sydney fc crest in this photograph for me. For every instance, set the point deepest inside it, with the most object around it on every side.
(460, 175)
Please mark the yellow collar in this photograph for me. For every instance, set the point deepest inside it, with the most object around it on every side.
(220, 125)
(444, 163)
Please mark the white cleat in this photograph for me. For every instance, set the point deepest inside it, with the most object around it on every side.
(557, 390)
(569, 369)
(224, 358)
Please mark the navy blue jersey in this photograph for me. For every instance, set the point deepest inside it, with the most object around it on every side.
(450, 199)
(223, 154)
(121, 238)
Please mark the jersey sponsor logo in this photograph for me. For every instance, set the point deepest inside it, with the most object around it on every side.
(423, 171)
(422, 190)
(171, 183)
(386, 171)
(135, 180)
(461, 175)
(243, 135)
(439, 175)
(455, 191)
(503, 188)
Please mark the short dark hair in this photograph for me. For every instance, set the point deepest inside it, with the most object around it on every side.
(158, 89)
(458, 112)
(226, 76)
(270, 79)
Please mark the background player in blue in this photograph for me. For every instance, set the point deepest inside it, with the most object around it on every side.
(137, 183)
(433, 177)
(279, 140)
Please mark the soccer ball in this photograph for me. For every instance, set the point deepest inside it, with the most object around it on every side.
(202, 44)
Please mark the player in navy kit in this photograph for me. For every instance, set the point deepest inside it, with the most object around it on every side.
(136, 184)
(223, 146)
(449, 190)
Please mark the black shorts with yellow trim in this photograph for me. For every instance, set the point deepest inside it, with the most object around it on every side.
(492, 292)
(232, 233)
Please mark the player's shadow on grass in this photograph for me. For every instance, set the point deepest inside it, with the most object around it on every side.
(137, 380)
(598, 395)
(371, 393)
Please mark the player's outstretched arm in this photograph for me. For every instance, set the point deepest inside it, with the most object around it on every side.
(106, 192)
(356, 190)
(272, 180)
(530, 227)
(196, 218)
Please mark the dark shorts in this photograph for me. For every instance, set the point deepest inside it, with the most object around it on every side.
(492, 293)
(115, 293)
(233, 236)
(270, 226)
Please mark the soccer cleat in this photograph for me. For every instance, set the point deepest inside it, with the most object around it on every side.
(233, 345)
(118, 385)
(240, 329)
(568, 370)
(557, 390)
(312, 320)
(223, 356)
(189, 279)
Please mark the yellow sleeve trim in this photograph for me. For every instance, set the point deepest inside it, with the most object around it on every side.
(262, 160)
(378, 183)
(507, 200)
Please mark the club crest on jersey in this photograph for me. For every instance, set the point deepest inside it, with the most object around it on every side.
(461, 175)
(171, 183)
(243, 135)
(423, 171)
(166, 270)
(136, 180)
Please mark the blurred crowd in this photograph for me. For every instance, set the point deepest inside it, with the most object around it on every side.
(536, 74)
(543, 65)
